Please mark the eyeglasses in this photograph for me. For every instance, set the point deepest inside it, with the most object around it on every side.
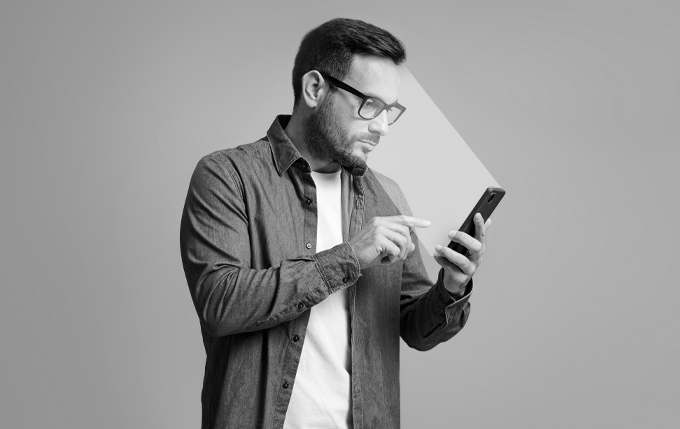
(370, 107)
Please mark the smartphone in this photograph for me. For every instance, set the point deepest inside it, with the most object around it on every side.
(485, 206)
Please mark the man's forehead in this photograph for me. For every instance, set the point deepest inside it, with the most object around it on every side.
(375, 76)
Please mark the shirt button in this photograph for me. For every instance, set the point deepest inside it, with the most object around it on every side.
(285, 385)
(296, 338)
(345, 279)
(301, 306)
(308, 201)
(309, 245)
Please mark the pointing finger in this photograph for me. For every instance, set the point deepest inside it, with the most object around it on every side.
(410, 221)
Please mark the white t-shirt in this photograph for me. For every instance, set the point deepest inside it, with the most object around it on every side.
(321, 396)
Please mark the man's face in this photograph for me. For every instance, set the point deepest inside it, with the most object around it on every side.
(335, 131)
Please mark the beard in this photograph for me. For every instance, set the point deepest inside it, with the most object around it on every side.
(327, 141)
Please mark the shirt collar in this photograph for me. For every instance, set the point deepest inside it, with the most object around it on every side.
(285, 152)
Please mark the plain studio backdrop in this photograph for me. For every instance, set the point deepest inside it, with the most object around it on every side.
(573, 106)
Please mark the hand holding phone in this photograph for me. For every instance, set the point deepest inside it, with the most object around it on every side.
(461, 264)
(485, 206)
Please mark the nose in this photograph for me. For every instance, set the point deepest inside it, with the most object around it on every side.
(379, 124)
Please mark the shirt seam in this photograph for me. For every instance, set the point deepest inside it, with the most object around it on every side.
(323, 275)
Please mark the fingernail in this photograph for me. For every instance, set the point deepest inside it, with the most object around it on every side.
(426, 222)
(438, 247)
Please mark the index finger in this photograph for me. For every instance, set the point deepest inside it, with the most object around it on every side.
(409, 221)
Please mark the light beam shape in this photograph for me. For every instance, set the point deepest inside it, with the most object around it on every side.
(439, 174)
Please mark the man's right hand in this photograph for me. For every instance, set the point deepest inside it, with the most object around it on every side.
(385, 240)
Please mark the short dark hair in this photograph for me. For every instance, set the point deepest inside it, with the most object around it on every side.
(331, 47)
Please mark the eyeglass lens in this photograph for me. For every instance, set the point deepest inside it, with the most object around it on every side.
(372, 108)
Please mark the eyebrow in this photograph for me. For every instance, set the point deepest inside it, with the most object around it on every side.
(379, 98)
(375, 96)
(366, 94)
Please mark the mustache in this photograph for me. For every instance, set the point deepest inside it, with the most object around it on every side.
(369, 137)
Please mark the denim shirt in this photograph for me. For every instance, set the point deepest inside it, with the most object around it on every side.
(248, 240)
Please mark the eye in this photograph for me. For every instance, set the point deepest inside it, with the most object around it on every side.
(371, 108)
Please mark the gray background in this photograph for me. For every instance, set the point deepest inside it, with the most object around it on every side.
(105, 108)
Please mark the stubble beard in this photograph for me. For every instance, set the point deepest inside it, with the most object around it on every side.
(327, 142)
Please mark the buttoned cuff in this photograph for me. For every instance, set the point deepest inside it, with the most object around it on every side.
(338, 266)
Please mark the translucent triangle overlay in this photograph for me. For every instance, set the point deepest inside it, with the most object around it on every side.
(440, 176)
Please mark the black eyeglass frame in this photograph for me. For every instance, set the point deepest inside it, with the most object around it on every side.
(342, 85)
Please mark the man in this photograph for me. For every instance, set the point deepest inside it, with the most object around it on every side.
(302, 261)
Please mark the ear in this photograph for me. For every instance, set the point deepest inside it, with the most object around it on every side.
(314, 89)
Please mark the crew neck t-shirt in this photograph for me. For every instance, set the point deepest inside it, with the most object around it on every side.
(321, 396)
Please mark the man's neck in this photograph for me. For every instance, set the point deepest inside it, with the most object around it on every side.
(295, 132)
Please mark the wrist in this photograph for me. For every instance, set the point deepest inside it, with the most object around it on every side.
(456, 290)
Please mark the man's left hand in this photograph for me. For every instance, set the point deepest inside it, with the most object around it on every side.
(458, 269)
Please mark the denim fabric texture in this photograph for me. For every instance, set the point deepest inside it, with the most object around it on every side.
(248, 240)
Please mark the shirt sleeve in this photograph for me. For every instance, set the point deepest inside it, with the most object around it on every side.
(229, 296)
(429, 313)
